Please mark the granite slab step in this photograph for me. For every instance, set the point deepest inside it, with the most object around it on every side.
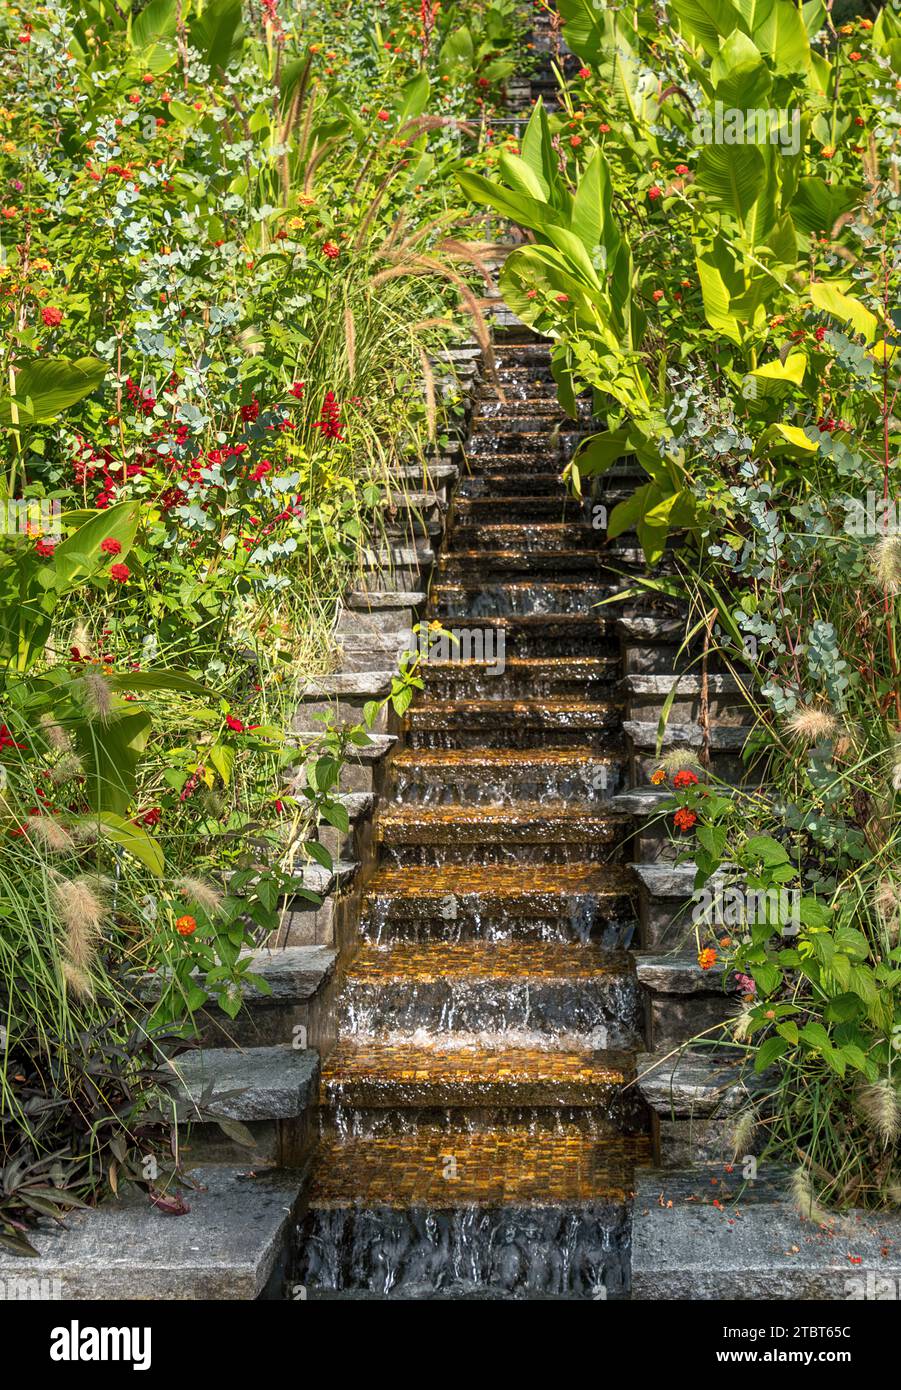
(226, 1246)
(706, 1234)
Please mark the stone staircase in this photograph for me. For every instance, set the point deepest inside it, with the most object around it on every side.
(480, 1128)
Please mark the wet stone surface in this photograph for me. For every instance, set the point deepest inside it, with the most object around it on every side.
(480, 1122)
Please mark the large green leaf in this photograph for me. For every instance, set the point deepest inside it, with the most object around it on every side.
(592, 218)
(133, 839)
(818, 205)
(47, 386)
(733, 176)
(214, 32)
(708, 22)
(110, 753)
(538, 151)
(154, 24)
(79, 555)
(583, 27)
(518, 207)
(739, 73)
(834, 301)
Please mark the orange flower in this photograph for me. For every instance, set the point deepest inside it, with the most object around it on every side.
(186, 925)
(684, 819)
(707, 958)
(658, 777)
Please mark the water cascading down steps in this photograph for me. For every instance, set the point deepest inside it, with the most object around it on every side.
(479, 1131)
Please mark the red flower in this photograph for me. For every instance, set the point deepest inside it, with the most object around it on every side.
(297, 389)
(575, 141)
(654, 193)
(45, 548)
(684, 819)
(250, 412)
(260, 471)
(584, 72)
(604, 128)
(657, 296)
(152, 816)
(383, 115)
(684, 779)
(7, 740)
(110, 546)
(120, 573)
(855, 57)
(235, 724)
(329, 421)
(52, 316)
(186, 925)
(331, 251)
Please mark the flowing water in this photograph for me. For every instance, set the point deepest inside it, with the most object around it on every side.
(479, 1130)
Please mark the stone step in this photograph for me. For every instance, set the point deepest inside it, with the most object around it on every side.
(560, 902)
(542, 635)
(495, 1167)
(683, 1000)
(226, 1245)
(525, 412)
(510, 723)
(544, 443)
(268, 1090)
(455, 1212)
(512, 833)
(519, 563)
(362, 769)
(547, 988)
(461, 1074)
(480, 600)
(476, 776)
(300, 980)
(546, 536)
(647, 696)
(708, 1234)
(697, 1098)
(477, 485)
(521, 510)
(521, 485)
(516, 677)
(383, 600)
(520, 823)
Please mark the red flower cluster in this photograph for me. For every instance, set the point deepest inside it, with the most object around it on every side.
(110, 546)
(44, 548)
(684, 779)
(331, 251)
(250, 412)
(142, 400)
(329, 421)
(52, 316)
